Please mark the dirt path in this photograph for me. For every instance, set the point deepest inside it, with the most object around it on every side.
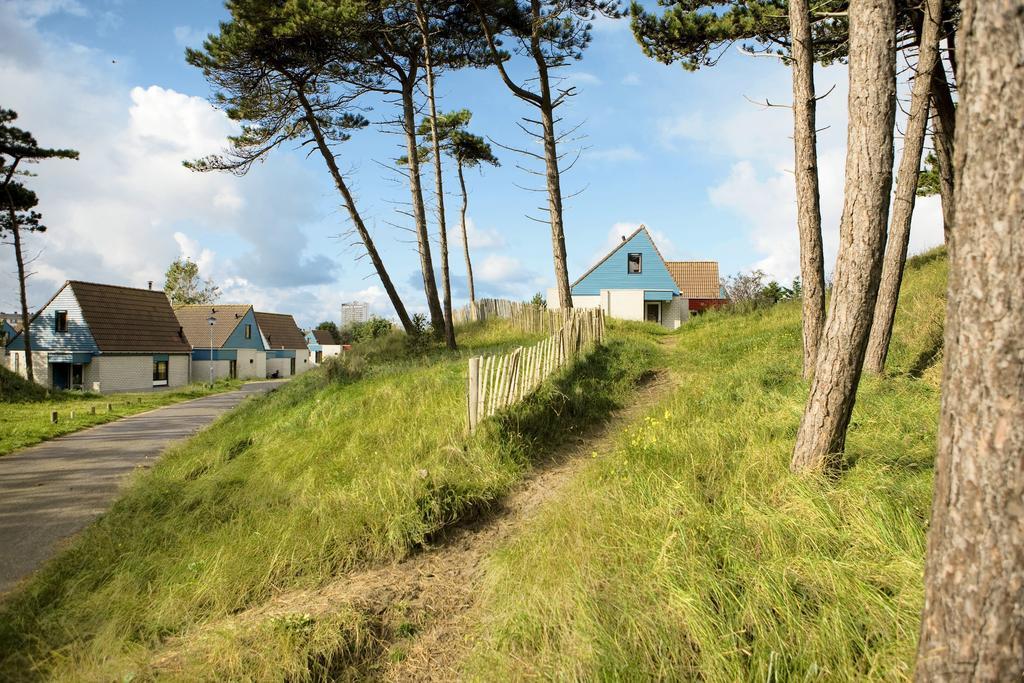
(421, 603)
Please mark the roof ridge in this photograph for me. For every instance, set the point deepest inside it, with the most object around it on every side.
(613, 250)
(104, 284)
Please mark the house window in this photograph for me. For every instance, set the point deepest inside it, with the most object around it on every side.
(634, 264)
(60, 322)
(159, 373)
(248, 331)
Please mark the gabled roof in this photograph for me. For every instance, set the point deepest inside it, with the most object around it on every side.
(323, 337)
(620, 245)
(193, 319)
(696, 279)
(280, 331)
(128, 319)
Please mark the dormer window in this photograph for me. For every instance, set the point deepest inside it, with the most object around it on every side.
(60, 321)
(634, 264)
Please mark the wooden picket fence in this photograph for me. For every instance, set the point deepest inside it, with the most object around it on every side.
(496, 382)
(525, 317)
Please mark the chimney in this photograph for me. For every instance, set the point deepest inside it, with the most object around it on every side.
(151, 285)
(623, 238)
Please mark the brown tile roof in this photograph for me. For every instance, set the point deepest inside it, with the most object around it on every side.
(192, 318)
(324, 337)
(280, 331)
(129, 319)
(696, 279)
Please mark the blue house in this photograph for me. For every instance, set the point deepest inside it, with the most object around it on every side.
(104, 338)
(634, 282)
(226, 337)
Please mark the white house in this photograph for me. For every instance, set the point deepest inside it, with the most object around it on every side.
(287, 352)
(104, 338)
(634, 282)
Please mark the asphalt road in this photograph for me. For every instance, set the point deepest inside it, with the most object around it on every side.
(51, 491)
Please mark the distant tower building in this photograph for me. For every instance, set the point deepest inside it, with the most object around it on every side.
(354, 312)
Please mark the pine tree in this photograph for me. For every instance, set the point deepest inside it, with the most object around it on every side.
(872, 114)
(18, 148)
(972, 625)
(281, 70)
(551, 34)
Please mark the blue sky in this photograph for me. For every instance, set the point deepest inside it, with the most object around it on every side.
(684, 153)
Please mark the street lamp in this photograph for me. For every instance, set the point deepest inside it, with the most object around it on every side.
(212, 321)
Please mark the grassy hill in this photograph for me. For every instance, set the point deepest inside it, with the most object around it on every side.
(345, 466)
(685, 549)
(15, 388)
(690, 551)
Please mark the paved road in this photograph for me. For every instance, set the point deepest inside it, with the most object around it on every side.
(50, 491)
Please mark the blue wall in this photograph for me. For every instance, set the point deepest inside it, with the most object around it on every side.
(612, 272)
(237, 340)
(45, 338)
(281, 353)
(218, 354)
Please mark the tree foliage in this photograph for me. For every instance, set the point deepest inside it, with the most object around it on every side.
(184, 286)
(928, 180)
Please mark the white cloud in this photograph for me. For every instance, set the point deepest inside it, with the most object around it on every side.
(128, 207)
(498, 268)
(481, 239)
(621, 153)
(582, 78)
(32, 10)
(631, 79)
(190, 249)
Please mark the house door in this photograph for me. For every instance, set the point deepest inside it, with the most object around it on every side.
(653, 312)
(61, 375)
(319, 357)
(293, 367)
(77, 372)
(233, 369)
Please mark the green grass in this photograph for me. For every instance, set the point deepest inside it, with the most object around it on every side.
(689, 551)
(355, 463)
(25, 408)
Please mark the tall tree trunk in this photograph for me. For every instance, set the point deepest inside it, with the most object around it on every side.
(552, 174)
(944, 123)
(972, 627)
(446, 284)
(869, 157)
(906, 191)
(419, 213)
(357, 219)
(465, 236)
(26, 333)
(544, 103)
(812, 261)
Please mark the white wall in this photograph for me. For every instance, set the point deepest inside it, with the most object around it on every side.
(303, 362)
(252, 364)
(676, 312)
(625, 304)
(178, 370)
(40, 366)
(282, 365)
(108, 373)
(201, 370)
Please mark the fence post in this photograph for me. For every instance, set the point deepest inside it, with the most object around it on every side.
(474, 391)
(53, 416)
